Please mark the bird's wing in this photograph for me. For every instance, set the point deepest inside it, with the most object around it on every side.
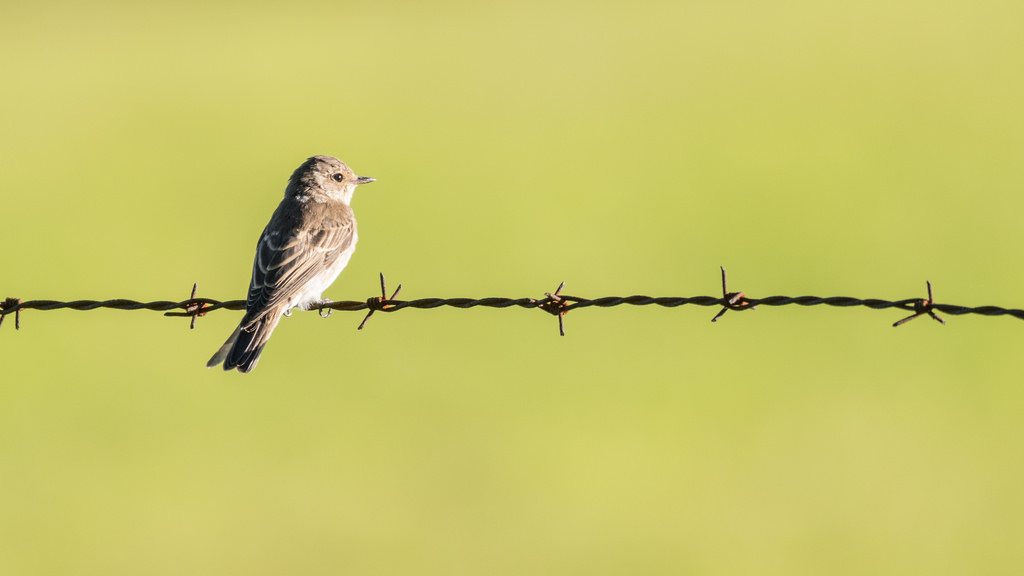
(287, 260)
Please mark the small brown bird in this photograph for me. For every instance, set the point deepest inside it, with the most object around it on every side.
(307, 243)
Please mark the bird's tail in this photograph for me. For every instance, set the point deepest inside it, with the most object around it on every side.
(242, 349)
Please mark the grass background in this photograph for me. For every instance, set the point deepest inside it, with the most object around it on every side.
(811, 148)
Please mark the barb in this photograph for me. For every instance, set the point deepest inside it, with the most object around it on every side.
(375, 304)
(922, 307)
(11, 304)
(196, 310)
(554, 303)
(733, 300)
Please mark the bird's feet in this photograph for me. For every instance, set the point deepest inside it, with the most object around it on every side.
(318, 305)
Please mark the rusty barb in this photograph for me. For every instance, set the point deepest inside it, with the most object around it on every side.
(381, 302)
(731, 300)
(554, 303)
(195, 309)
(922, 307)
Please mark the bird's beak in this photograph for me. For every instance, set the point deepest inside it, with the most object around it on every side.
(365, 180)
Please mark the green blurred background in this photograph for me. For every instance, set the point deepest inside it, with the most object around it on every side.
(626, 148)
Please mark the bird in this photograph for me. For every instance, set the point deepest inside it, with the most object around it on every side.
(305, 246)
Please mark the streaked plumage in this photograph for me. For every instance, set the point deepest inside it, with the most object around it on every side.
(307, 243)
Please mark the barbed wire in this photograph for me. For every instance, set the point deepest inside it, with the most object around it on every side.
(554, 303)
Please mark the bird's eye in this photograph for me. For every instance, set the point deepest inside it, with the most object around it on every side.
(339, 177)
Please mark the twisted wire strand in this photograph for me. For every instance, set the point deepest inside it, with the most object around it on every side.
(554, 303)
(211, 305)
